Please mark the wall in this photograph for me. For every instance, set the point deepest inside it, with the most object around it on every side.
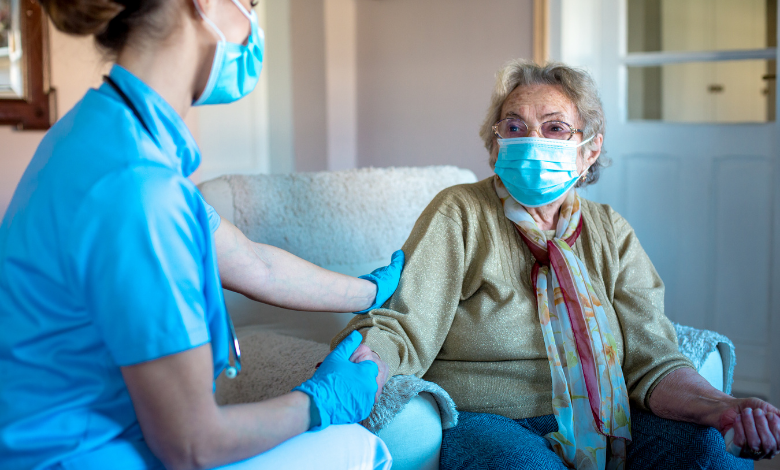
(355, 83)
(341, 82)
(307, 38)
(426, 70)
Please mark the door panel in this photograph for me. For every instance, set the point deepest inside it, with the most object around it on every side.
(743, 211)
(703, 198)
(651, 189)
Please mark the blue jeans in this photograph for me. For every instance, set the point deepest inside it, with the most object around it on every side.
(484, 441)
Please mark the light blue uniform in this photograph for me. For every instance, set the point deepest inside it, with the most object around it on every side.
(107, 259)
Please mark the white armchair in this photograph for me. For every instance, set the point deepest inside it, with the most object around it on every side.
(349, 222)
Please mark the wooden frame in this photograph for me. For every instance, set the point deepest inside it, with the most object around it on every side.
(37, 110)
(541, 31)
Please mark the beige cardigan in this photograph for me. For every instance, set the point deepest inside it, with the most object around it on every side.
(464, 315)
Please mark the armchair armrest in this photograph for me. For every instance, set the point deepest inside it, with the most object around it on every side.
(711, 353)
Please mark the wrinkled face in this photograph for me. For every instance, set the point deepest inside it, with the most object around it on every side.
(536, 104)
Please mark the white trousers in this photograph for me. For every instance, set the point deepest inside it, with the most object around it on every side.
(337, 447)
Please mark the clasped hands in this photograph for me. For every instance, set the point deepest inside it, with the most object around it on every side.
(347, 383)
(756, 426)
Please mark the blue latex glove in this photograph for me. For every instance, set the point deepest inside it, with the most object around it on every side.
(342, 390)
(386, 279)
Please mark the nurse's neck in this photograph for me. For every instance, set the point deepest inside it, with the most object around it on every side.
(173, 67)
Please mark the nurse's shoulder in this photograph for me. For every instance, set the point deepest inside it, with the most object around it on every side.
(101, 133)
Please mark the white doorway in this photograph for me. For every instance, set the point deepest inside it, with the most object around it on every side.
(692, 133)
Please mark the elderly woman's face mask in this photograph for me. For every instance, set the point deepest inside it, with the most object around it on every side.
(535, 171)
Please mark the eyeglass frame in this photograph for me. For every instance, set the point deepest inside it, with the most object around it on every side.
(538, 129)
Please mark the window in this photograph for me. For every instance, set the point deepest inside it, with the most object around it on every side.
(701, 60)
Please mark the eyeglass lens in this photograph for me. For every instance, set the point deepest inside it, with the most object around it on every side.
(511, 128)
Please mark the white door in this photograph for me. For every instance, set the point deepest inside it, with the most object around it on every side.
(689, 93)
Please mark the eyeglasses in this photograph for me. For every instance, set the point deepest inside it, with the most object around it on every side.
(510, 128)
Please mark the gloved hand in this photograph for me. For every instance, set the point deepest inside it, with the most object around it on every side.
(342, 390)
(386, 279)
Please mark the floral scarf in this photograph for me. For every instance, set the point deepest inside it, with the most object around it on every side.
(589, 398)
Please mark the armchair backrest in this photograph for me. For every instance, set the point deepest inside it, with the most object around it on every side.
(347, 221)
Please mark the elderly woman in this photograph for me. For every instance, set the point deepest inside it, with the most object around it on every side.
(542, 316)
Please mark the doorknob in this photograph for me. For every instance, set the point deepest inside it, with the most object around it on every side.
(715, 88)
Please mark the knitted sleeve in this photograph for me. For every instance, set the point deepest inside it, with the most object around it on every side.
(408, 332)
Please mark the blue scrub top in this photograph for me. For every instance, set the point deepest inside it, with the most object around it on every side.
(107, 259)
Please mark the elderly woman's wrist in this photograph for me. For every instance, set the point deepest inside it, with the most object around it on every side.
(384, 347)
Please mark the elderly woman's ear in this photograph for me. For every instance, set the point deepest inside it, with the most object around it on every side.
(589, 154)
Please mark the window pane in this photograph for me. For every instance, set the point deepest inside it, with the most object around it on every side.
(733, 91)
(11, 83)
(5, 23)
(701, 25)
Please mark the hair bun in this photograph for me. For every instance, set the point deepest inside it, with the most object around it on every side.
(81, 17)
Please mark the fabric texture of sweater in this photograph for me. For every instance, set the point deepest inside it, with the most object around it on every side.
(464, 315)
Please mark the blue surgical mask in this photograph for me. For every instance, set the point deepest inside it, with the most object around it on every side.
(537, 171)
(235, 70)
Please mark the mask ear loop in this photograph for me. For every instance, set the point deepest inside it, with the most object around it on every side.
(584, 174)
(248, 16)
(209, 22)
(243, 10)
(586, 141)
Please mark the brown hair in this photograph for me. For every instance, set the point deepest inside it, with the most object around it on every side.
(576, 84)
(113, 23)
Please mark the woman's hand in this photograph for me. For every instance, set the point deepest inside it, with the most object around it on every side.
(756, 426)
(364, 353)
(684, 395)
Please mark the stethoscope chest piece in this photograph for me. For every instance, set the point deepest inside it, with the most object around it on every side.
(232, 370)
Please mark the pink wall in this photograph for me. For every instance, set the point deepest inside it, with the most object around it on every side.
(307, 40)
(426, 70)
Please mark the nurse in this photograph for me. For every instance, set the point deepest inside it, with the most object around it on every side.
(112, 323)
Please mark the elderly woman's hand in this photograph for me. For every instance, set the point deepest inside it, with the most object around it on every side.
(364, 353)
(756, 426)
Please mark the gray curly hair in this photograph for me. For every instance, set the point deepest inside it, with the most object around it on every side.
(576, 84)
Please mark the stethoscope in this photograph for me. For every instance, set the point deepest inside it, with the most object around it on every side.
(232, 370)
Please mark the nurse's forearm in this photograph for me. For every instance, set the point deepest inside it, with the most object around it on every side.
(294, 283)
(253, 428)
(277, 277)
(186, 429)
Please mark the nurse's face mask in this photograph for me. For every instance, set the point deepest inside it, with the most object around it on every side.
(236, 68)
(537, 171)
